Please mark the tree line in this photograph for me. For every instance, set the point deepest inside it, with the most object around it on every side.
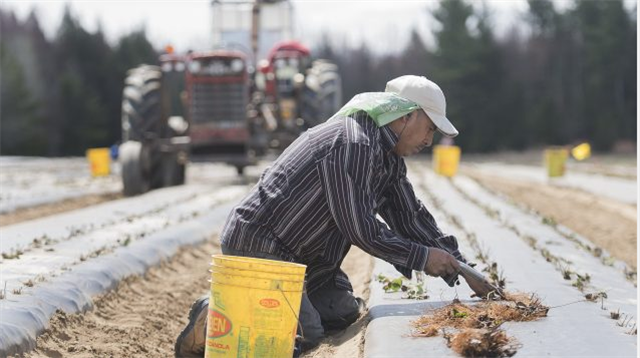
(567, 76)
(571, 78)
(63, 96)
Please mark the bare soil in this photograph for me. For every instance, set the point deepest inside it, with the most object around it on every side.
(358, 265)
(144, 315)
(608, 224)
(59, 207)
(141, 318)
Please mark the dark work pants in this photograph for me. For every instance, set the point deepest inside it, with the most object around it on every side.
(329, 307)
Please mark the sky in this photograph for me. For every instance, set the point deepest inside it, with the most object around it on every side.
(187, 24)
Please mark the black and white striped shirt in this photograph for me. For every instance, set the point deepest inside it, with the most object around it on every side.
(322, 195)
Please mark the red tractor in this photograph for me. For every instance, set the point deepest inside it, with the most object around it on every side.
(214, 106)
(299, 92)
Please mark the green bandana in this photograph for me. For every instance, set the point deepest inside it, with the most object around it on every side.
(383, 107)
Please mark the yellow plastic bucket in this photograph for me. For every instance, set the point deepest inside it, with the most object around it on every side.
(99, 161)
(582, 151)
(446, 159)
(555, 159)
(254, 307)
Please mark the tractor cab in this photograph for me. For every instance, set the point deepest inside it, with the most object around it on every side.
(288, 62)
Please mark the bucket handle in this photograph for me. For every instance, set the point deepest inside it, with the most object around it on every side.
(293, 311)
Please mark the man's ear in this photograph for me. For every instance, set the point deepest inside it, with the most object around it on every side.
(407, 117)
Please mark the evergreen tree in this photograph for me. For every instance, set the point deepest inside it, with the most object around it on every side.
(607, 42)
(356, 72)
(86, 87)
(22, 130)
(415, 59)
(468, 68)
(544, 83)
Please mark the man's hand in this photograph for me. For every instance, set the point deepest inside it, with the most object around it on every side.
(441, 263)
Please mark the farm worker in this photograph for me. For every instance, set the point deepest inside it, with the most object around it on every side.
(322, 195)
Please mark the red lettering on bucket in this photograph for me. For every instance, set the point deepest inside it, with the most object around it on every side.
(218, 325)
(217, 345)
(269, 302)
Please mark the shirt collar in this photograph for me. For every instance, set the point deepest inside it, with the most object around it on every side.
(389, 138)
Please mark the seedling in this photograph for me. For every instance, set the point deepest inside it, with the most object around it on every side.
(75, 231)
(549, 221)
(29, 283)
(126, 241)
(531, 241)
(415, 292)
(50, 241)
(496, 277)
(593, 297)
(630, 274)
(625, 321)
(566, 273)
(95, 253)
(17, 291)
(457, 314)
(615, 315)
(393, 285)
(36, 243)
(3, 294)
(456, 221)
(13, 254)
(596, 251)
(412, 291)
(512, 228)
(482, 255)
(547, 255)
(581, 281)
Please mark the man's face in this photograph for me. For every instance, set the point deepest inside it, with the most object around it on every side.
(417, 134)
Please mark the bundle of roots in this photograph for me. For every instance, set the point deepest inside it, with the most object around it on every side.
(478, 333)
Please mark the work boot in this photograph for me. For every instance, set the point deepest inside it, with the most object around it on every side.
(297, 347)
(191, 342)
(357, 309)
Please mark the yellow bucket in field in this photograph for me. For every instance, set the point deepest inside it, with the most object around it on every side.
(555, 159)
(582, 151)
(99, 161)
(254, 307)
(446, 159)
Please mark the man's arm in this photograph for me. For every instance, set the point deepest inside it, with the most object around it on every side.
(406, 215)
(346, 174)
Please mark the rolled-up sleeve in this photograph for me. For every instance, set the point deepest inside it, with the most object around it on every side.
(347, 174)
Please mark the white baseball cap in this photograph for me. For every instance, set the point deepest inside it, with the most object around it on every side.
(428, 96)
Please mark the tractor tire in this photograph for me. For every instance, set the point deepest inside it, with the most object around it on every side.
(322, 93)
(173, 173)
(141, 104)
(134, 168)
